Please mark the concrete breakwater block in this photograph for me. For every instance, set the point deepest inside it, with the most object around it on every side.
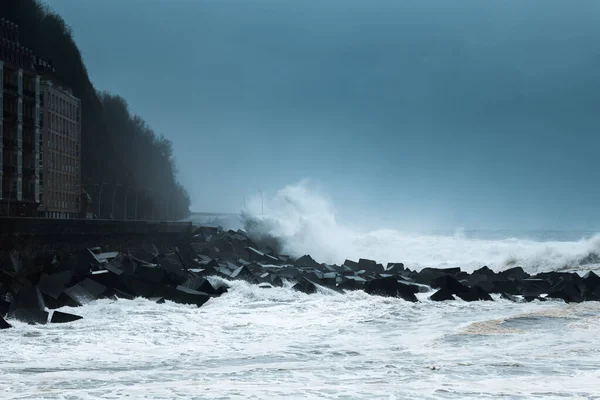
(442, 295)
(59, 317)
(390, 287)
(4, 324)
(30, 316)
(180, 274)
(183, 295)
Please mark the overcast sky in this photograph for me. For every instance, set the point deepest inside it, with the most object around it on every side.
(471, 113)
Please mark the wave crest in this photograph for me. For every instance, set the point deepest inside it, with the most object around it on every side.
(299, 220)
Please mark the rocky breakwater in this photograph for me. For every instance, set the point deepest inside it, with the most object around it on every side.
(33, 293)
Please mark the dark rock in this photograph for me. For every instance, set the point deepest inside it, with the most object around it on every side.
(54, 284)
(109, 280)
(121, 264)
(254, 254)
(199, 283)
(243, 273)
(176, 275)
(143, 288)
(529, 299)
(590, 287)
(510, 297)
(30, 316)
(305, 286)
(150, 274)
(591, 279)
(352, 265)
(370, 265)
(6, 278)
(157, 300)
(61, 317)
(449, 284)
(568, 291)
(288, 273)
(306, 261)
(475, 294)
(486, 285)
(390, 287)
(183, 295)
(276, 280)
(556, 278)
(442, 295)
(11, 263)
(394, 268)
(515, 274)
(417, 287)
(120, 294)
(329, 281)
(503, 285)
(4, 307)
(533, 287)
(426, 275)
(96, 289)
(485, 270)
(62, 301)
(4, 324)
(271, 258)
(194, 281)
(28, 298)
(85, 291)
(351, 284)
(86, 261)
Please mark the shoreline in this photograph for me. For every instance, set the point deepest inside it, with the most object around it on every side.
(34, 286)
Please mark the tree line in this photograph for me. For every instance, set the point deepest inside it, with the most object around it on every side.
(126, 167)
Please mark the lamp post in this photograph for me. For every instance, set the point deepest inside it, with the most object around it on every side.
(113, 200)
(9, 197)
(99, 200)
(136, 202)
(137, 192)
(125, 206)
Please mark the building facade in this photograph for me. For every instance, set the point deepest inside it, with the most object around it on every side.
(60, 183)
(19, 125)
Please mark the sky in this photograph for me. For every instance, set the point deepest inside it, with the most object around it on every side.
(479, 114)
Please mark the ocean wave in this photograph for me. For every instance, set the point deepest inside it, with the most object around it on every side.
(299, 220)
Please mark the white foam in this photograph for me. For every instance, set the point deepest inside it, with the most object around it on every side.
(277, 343)
(305, 223)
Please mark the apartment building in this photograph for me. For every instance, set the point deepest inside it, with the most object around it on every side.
(60, 185)
(19, 125)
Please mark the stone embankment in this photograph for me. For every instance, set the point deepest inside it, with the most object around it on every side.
(34, 291)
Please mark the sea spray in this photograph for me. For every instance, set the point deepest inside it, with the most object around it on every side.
(298, 220)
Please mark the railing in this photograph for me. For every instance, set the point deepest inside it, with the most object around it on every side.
(42, 226)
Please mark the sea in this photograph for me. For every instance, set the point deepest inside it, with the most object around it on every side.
(254, 343)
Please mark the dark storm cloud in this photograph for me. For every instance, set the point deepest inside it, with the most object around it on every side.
(486, 105)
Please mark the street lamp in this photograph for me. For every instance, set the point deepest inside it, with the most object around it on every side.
(113, 200)
(99, 200)
(125, 207)
(136, 202)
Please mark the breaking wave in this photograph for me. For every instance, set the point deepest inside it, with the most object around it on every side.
(298, 220)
